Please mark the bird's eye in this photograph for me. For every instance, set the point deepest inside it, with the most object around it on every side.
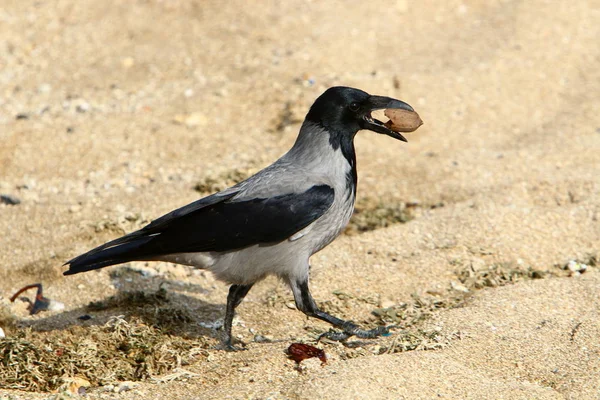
(354, 106)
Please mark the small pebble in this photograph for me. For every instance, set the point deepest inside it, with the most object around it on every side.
(44, 88)
(459, 287)
(211, 325)
(263, 339)
(82, 107)
(125, 386)
(56, 306)
(312, 365)
(195, 119)
(8, 199)
(147, 272)
(2, 334)
(576, 268)
(128, 62)
(388, 304)
(75, 385)
(108, 388)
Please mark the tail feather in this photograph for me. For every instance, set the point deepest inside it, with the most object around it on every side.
(124, 249)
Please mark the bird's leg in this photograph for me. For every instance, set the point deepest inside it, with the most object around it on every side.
(307, 305)
(234, 298)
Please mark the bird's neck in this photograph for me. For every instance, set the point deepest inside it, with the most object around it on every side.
(317, 145)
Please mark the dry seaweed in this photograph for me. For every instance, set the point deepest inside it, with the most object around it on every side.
(124, 223)
(498, 275)
(370, 214)
(419, 309)
(154, 308)
(120, 350)
(410, 316)
(7, 318)
(417, 339)
(135, 346)
(288, 116)
(136, 298)
(212, 184)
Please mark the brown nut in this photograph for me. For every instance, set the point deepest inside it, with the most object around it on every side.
(402, 120)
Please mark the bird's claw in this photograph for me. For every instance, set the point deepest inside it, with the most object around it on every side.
(350, 329)
(335, 336)
(230, 347)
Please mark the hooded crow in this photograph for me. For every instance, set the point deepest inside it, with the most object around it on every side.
(274, 221)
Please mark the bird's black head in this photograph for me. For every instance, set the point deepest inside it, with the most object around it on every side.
(343, 111)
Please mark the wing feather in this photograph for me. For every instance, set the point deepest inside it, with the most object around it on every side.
(216, 223)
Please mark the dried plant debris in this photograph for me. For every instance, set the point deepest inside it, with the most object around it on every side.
(411, 316)
(419, 309)
(345, 301)
(290, 115)
(120, 350)
(43, 269)
(8, 320)
(499, 274)
(212, 184)
(137, 298)
(370, 214)
(153, 308)
(124, 223)
(419, 339)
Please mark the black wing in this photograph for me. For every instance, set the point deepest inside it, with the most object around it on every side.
(221, 225)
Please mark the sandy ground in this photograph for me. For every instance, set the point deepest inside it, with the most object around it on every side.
(124, 106)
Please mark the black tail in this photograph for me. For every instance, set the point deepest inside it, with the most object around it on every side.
(124, 249)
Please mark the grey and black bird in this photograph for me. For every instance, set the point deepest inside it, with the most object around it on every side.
(274, 221)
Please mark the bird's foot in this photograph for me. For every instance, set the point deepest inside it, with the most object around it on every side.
(232, 348)
(229, 346)
(350, 329)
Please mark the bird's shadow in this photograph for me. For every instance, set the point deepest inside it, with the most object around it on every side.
(155, 301)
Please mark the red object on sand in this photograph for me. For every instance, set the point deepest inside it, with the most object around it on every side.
(301, 351)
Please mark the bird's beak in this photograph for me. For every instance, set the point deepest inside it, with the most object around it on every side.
(378, 103)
